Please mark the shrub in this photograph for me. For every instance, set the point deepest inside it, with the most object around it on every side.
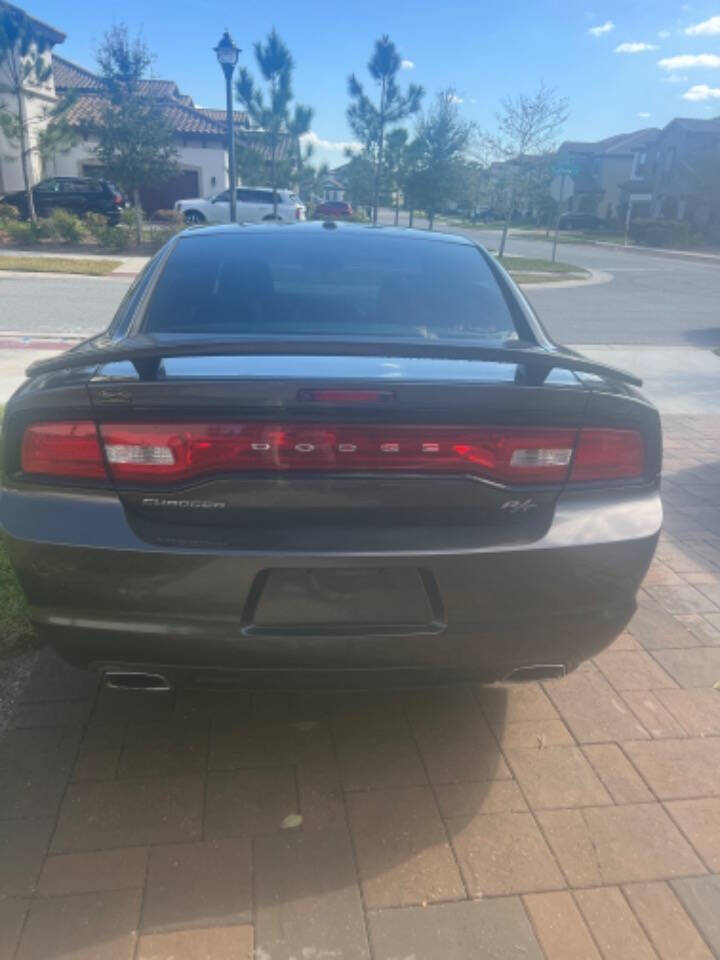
(663, 233)
(95, 224)
(23, 233)
(66, 226)
(158, 238)
(8, 212)
(116, 238)
(711, 234)
(168, 216)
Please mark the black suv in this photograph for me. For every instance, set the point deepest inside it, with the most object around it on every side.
(79, 195)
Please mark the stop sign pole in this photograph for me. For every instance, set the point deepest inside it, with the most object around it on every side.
(563, 170)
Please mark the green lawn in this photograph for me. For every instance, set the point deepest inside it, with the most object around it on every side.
(536, 265)
(93, 267)
(15, 631)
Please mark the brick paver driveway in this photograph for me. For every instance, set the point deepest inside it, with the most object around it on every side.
(574, 819)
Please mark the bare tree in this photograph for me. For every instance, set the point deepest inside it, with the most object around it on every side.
(526, 125)
(368, 120)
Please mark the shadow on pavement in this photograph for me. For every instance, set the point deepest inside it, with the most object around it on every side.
(708, 337)
(161, 812)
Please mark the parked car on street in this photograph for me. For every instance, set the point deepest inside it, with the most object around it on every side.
(580, 221)
(333, 210)
(78, 195)
(254, 205)
(328, 447)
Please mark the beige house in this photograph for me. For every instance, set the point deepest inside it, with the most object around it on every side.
(37, 99)
(200, 133)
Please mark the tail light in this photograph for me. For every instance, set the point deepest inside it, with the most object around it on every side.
(63, 450)
(117, 200)
(171, 452)
(604, 454)
(176, 452)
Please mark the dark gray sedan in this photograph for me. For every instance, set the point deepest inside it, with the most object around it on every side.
(322, 447)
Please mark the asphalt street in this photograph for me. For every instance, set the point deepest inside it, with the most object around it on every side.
(651, 299)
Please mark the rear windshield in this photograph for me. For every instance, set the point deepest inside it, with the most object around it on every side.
(328, 283)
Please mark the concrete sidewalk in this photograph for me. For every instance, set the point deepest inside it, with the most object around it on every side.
(678, 380)
(577, 819)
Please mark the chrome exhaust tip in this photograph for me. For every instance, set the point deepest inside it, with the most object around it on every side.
(537, 671)
(136, 680)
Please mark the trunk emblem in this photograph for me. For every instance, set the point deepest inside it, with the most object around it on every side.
(519, 506)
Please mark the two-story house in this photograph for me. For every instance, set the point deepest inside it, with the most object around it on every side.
(601, 170)
(199, 133)
(680, 174)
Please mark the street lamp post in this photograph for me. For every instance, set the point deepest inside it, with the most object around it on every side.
(227, 54)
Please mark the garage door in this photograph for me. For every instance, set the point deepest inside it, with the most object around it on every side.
(163, 196)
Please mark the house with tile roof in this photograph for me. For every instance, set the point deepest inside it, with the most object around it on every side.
(38, 98)
(200, 132)
(200, 137)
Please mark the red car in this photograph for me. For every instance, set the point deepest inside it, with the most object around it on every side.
(333, 209)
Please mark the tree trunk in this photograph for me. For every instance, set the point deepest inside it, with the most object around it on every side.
(431, 219)
(381, 143)
(411, 217)
(273, 177)
(24, 153)
(138, 216)
(397, 207)
(506, 226)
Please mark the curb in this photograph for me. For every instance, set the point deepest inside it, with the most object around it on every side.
(596, 277)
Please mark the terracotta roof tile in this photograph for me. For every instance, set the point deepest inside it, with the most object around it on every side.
(87, 112)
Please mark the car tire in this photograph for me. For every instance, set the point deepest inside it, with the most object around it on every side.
(193, 217)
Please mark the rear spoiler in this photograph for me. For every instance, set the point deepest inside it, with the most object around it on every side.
(146, 354)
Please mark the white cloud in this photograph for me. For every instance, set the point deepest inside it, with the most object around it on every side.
(701, 91)
(702, 29)
(675, 78)
(339, 146)
(454, 98)
(644, 115)
(687, 61)
(664, 34)
(604, 28)
(634, 47)
(407, 65)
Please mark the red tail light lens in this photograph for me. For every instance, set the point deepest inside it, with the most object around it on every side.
(67, 449)
(605, 454)
(117, 200)
(167, 452)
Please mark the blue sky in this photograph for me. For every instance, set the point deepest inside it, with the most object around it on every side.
(484, 50)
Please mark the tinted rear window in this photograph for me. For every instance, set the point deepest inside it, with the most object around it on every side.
(328, 282)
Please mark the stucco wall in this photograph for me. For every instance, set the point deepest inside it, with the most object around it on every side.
(208, 161)
(38, 99)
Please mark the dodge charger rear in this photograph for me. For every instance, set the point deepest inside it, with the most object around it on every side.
(324, 447)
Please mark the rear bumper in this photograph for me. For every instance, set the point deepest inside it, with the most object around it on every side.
(103, 596)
